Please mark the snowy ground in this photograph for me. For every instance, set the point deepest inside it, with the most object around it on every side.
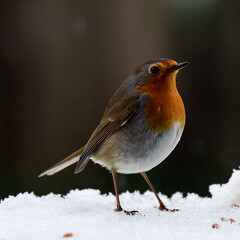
(88, 215)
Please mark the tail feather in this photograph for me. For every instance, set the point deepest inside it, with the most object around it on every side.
(68, 161)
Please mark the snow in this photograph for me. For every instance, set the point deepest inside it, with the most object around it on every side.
(87, 214)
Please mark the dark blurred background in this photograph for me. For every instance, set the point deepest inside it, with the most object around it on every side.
(61, 61)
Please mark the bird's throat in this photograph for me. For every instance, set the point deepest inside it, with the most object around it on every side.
(164, 110)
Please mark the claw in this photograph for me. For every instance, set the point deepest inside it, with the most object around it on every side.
(164, 208)
(126, 212)
(130, 212)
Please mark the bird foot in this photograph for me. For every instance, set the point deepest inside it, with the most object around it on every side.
(126, 212)
(130, 212)
(164, 208)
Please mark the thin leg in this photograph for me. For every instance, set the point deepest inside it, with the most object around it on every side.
(162, 207)
(119, 208)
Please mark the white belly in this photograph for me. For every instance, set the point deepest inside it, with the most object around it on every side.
(152, 155)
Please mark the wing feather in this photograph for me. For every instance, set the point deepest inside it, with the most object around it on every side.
(109, 125)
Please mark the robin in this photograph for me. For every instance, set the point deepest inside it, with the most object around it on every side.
(140, 127)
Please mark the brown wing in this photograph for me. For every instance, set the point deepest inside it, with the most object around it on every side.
(113, 119)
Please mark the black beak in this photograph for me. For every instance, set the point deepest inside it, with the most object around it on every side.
(179, 66)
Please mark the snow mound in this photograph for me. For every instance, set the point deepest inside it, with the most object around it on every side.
(87, 214)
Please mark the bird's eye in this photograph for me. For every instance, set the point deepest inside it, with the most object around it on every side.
(154, 70)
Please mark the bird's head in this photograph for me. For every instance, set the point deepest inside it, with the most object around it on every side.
(154, 75)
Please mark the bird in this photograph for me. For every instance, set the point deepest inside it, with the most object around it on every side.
(140, 127)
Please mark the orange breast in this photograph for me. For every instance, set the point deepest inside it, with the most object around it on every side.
(165, 106)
